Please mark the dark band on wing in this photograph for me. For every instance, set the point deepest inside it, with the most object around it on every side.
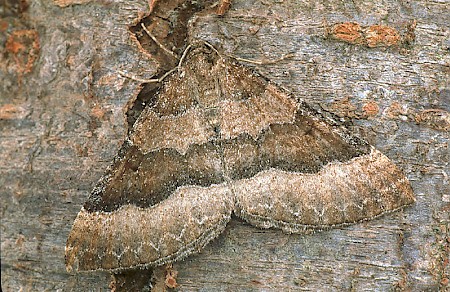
(143, 180)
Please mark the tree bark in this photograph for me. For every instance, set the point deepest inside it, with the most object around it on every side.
(64, 112)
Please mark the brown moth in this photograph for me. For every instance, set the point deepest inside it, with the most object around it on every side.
(219, 139)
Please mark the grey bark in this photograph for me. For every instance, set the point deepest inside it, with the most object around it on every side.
(61, 125)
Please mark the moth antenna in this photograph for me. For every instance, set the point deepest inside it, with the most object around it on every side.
(212, 47)
(183, 56)
(257, 62)
(153, 80)
(160, 79)
(262, 62)
(166, 50)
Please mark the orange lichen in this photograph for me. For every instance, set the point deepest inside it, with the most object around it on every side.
(371, 108)
(24, 47)
(344, 108)
(224, 5)
(350, 32)
(371, 36)
(3, 25)
(14, 46)
(97, 112)
(395, 110)
(434, 118)
(171, 277)
(20, 240)
(11, 111)
(65, 3)
(381, 36)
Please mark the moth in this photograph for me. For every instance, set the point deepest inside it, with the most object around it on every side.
(219, 139)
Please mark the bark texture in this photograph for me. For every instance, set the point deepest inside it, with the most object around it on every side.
(63, 116)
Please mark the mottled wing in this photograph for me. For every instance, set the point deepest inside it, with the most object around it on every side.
(165, 196)
(219, 139)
